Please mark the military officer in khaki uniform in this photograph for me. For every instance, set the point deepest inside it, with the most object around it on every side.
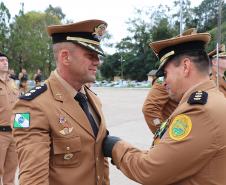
(192, 149)
(59, 126)
(8, 96)
(158, 106)
(222, 67)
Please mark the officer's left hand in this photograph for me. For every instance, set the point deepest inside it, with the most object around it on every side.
(108, 144)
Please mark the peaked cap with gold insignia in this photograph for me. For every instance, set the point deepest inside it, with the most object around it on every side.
(190, 40)
(222, 52)
(85, 33)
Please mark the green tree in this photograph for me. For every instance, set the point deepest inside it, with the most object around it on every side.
(187, 15)
(134, 49)
(111, 66)
(30, 45)
(206, 14)
(55, 11)
(4, 28)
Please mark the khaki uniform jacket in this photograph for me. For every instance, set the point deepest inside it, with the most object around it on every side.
(157, 105)
(8, 96)
(198, 159)
(48, 157)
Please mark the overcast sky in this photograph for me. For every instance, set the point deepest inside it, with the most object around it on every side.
(114, 12)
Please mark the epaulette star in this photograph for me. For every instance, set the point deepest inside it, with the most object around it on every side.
(34, 92)
(198, 97)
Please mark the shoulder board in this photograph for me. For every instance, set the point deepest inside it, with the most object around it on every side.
(90, 90)
(34, 92)
(198, 97)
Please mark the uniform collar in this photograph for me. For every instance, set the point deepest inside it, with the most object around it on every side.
(4, 79)
(67, 86)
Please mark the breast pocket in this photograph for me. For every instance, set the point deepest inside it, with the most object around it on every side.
(66, 152)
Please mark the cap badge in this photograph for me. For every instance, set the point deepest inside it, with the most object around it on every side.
(99, 31)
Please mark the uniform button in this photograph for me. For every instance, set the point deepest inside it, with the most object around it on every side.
(97, 159)
(68, 148)
(98, 177)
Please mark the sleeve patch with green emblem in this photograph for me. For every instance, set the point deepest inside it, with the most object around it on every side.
(180, 127)
(21, 120)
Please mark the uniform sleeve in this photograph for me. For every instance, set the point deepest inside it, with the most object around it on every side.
(170, 161)
(33, 145)
(154, 104)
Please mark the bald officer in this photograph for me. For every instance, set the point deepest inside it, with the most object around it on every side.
(8, 96)
(222, 67)
(59, 126)
(192, 149)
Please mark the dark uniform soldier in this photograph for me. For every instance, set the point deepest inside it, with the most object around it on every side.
(59, 126)
(222, 67)
(192, 149)
(8, 96)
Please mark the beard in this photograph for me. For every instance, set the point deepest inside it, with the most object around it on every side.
(175, 96)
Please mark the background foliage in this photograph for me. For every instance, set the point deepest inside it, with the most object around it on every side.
(25, 41)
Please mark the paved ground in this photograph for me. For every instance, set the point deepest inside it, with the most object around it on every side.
(124, 117)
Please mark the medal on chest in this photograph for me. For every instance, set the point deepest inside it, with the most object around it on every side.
(66, 128)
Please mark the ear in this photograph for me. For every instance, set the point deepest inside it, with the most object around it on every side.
(64, 56)
(187, 65)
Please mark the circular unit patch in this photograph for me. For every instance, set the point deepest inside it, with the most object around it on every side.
(180, 127)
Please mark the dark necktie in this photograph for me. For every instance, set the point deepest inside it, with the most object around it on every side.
(81, 98)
